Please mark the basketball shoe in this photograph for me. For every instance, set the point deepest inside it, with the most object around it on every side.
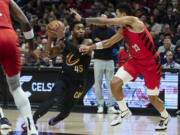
(119, 118)
(162, 125)
(5, 124)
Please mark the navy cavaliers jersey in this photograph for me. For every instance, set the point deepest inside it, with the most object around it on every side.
(141, 45)
(75, 65)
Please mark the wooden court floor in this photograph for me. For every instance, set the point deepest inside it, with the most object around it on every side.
(94, 124)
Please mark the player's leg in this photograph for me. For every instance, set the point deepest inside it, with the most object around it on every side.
(124, 74)
(65, 109)
(22, 102)
(57, 95)
(4, 122)
(154, 73)
(159, 105)
(12, 67)
(98, 76)
(71, 97)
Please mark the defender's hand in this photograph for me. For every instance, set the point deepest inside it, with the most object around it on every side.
(84, 48)
(77, 16)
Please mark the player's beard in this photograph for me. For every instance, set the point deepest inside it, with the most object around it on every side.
(80, 38)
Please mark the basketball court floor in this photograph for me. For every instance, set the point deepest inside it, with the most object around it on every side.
(93, 124)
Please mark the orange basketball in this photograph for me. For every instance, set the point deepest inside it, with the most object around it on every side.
(56, 29)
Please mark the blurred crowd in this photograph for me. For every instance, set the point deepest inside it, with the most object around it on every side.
(161, 17)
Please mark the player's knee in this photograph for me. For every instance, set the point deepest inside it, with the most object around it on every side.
(13, 82)
(116, 84)
(152, 98)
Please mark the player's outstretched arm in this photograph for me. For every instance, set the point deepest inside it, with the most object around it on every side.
(19, 16)
(103, 44)
(130, 22)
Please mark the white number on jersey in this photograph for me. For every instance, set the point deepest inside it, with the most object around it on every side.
(136, 47)
(1, 14)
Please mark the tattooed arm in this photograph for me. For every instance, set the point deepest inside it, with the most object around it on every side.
(131, 22)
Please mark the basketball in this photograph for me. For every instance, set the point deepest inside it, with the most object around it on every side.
(56, 29)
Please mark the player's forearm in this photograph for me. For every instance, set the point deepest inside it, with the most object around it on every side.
(95, 20)
(54, 51)
(112, 21)
(106, 43)
(18, 15)
(103, 44)
(48, 46)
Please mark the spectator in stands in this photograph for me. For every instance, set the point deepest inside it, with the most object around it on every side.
(166, 29)
(169, 36)
(166, 46)
(169, 18)
(177, 35)
(41, 46)
(58, 61)
(155, 26)
(42, 32)
(159, 41)
(156, 14)
(170, 61)
(143, 18)
(177, 51)
(177, 14)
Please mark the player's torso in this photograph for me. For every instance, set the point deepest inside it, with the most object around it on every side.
(141, 45)
(76, 66)
(5, 20)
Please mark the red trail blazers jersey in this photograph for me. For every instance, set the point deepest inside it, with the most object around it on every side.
(5, 19)
(141, 45)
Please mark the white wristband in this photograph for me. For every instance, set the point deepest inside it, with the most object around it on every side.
(99, 45)
(29, 34)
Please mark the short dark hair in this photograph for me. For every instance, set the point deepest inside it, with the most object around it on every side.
(73, 24)
(124, 7)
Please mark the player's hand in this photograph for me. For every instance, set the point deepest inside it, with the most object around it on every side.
(84, 48)
(77, 16)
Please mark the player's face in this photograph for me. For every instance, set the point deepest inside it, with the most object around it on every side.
(119, 14)
(79, 30)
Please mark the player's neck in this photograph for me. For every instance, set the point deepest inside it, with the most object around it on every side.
(75, 41)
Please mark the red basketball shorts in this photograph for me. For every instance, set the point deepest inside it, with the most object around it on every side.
(149, 68)
(9, 53)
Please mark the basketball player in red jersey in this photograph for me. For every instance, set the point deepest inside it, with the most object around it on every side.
(144, 60)
(9, 56)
